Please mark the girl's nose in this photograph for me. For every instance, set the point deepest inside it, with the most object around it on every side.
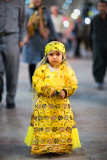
(54, 56)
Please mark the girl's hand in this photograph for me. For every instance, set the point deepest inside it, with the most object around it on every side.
(54, 93)
(63, 94)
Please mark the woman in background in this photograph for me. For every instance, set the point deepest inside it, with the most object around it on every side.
(38, 27)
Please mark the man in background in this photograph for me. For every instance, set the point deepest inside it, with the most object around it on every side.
(98, 43)
(57, 20)
(12, 15)
(79, 31)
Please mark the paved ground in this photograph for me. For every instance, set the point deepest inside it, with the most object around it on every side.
(89, 107)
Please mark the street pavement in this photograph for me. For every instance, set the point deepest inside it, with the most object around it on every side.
(89, 107)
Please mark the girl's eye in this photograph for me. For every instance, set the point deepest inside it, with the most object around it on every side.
(51, 54)
(58, 54)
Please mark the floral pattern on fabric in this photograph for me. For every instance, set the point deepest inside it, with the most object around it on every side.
(53, 122)
(52, 118)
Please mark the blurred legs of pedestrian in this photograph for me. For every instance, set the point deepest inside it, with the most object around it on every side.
(77, 49)
(99, 65)
(1, 85)
(9, 64)
(31, 69)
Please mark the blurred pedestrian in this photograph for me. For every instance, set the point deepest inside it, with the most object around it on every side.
(52, 126)
(57, 19)
(79, 30)
(98, 43)
(12, 15)
(38, 27)
(69, 38)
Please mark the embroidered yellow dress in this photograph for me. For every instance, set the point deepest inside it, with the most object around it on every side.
(52, 126)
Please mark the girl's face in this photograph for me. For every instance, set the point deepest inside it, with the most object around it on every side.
(37, 3)
(55, 58)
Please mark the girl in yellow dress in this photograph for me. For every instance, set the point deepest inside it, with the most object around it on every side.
(52, 126)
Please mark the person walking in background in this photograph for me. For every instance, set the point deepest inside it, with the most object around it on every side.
(57, 20)
(78, 31)
(38, 27)
(52, 126)
(70, 38)
(98, 43)
(12, 15)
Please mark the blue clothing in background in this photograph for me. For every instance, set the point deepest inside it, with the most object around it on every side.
(33, 52)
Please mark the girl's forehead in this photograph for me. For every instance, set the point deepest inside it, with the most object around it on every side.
(55, 51)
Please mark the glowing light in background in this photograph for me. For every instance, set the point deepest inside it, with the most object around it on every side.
(65, 18)
(90, 13)
(75, 14)
(27, 1)
(65, 6)
(87, 20)
(68, 1)
(77, 11)
(66, 24)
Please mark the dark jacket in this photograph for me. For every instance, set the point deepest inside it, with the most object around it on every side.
(97, 34)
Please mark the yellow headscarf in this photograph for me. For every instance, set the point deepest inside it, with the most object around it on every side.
(53, 46)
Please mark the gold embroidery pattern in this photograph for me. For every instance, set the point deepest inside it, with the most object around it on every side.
(52, 127)
(52, 118)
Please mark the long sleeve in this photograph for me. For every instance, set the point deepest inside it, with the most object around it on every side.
(21, 21)
(70, 82)
(40, 84)
(90, 30)
(28, 12)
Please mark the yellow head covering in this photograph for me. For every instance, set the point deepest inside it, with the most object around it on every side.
(53, 46)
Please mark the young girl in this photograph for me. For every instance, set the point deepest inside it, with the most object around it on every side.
(52, 126)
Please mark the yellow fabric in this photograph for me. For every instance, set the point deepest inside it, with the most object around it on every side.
(45, 81)
(54, 45)
(29, 136)
(75, 138)
(52, 119)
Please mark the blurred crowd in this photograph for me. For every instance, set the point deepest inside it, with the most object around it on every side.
(73, 33)
(27, 28)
